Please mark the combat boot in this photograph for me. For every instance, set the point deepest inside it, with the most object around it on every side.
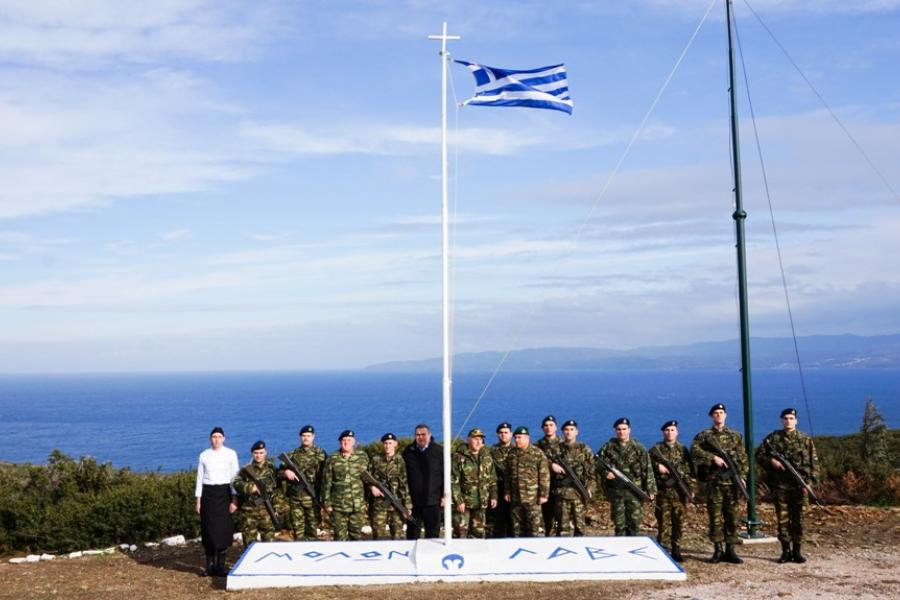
(210, 566)
(786, 555)
(717, 553)
(676, 554)
(730, 556)
(221, 569)
(796, 555)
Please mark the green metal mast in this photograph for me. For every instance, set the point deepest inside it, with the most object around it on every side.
(739, 216)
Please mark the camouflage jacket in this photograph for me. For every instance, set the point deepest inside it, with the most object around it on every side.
(342, 484)
(392, 473)
(728, 440)
(550, 448)
(265, 473)
(676, 455)
(632, 459)
(473, 478)
(580, 457)
(798, 448)
(499, 453)
(311, 461)
(528, 475)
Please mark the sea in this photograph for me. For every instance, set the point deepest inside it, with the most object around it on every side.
(151, 422)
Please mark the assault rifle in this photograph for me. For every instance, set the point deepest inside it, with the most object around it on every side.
(390, 497)
(263, 497)
(789, 467)
(729, 464)
(632, 486)
(303, 480)
(579, 485)
(674, 474)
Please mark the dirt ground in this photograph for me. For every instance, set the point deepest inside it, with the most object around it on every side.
(852, 551)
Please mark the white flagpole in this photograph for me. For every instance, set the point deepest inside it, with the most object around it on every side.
(445, 237)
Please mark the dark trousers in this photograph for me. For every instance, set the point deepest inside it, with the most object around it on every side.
(430, 516)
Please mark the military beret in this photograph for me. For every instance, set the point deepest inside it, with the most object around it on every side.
(476, 433)
(503, 425)
(258, 445)
(622, 421)
(570, 423)
(216, 430)
(346, 433)
(716, 407)
(521, 430)
(667, 424)
(548, 418)
(307, 429)
(789, 411)
(388, 436)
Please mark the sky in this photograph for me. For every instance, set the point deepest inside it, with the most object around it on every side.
(224, 185)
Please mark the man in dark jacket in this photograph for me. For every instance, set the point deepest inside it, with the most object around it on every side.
(425, 472)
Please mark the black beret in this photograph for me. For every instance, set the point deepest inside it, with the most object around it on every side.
(622, 421)
(667, 424)
(346, 433)
(258, 445)
(388, 436)
(521, 430)
(716, 407)
(570, 423)
(789, 411)
(503, 425)
(549, 418)
(307, 429)
(216, 430)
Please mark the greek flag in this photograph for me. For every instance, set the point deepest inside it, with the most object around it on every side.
(546, 87)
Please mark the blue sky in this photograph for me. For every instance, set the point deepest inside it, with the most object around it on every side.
(194, 184)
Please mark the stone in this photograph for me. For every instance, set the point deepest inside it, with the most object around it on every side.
(76, 554)
(175, 540)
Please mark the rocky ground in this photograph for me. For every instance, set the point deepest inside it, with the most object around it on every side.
(853, 552)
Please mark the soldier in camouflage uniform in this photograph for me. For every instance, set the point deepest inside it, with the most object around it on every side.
(722, 495)
(670, 500)
(789, 496)
(549, 445)
(343, 494)
(253, 517)
(390, 469)
(499, 519)
(630, 457)
(474, 486)
(305, 515)
(528, 484)
(570, 506)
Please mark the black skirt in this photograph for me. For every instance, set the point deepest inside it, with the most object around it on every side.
(216, 524)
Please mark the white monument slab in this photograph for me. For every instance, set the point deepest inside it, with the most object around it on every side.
(289, 564)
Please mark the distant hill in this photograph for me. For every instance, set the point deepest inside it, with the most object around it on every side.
(816, 352)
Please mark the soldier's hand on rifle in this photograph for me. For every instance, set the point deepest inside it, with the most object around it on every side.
(720, 462)
(507, 497)
(542, 500)
(652, 497)
(557, 469)
(328, 509)
(777, 464)
(493, 503)
(662, 469)
(461, 507)
(376, 492)
(610, 475)
(290, 475)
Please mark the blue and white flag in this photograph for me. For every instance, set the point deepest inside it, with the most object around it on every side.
(546, 87)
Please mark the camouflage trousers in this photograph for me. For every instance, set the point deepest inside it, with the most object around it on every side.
(626, 511)
(256, 522)
(347, 525)
(724, 510)
(385, 516)
(499, 520)
(526, 519)
(670, 510)
(469, 523)
(790, 507)
(570, 511)
(548, 514)
(305, 518)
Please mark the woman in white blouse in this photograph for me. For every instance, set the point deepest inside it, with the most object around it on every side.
(216, 500)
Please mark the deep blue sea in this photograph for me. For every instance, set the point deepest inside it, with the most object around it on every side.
(161, 421)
